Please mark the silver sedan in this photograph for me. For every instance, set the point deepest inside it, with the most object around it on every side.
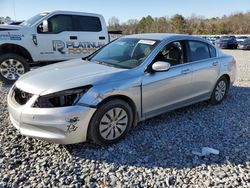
(100, 98)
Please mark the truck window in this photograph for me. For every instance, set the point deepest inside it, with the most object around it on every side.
(87, 23)
(59, 23)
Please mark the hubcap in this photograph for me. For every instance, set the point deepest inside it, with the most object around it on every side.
(220, 90)
(11, 69)
(113, 123)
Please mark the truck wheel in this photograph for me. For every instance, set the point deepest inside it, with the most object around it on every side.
(12, 66)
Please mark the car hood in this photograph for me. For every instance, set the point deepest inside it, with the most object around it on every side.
(65, 75)
(9, 27)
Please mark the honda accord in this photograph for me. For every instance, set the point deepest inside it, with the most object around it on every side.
(101, 97)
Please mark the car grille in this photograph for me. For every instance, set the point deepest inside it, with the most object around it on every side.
(21, 97)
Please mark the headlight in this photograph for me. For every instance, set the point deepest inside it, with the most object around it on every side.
(61, 99)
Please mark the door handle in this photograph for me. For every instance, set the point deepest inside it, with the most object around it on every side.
(186, 71)
(215, 63)
(73, 37)
(102, 38)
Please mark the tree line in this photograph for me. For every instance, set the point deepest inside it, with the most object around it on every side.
(238, 23)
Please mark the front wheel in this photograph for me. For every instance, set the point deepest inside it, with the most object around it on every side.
(12, 66)
(111, 122)
(220, 90)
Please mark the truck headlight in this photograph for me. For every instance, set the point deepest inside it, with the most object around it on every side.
(61, 99)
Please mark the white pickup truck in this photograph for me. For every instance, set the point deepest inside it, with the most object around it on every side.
(49, 37)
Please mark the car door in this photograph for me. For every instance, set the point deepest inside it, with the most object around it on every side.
(54, 44)
(163, 91)
(91, 32)
(205, 68)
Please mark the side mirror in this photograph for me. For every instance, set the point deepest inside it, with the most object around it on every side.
(43, 27)
(160, 66)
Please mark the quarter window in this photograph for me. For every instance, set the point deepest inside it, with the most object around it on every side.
(171, 53)
(198, 50)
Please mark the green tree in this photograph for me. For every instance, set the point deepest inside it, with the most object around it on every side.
(145, 25)
(178, 24)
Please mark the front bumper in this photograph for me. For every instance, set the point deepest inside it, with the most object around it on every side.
(65, 125)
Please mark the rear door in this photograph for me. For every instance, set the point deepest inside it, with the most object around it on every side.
(205, 67)
(92, 34)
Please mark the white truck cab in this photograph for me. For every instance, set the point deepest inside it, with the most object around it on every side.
(49, 37)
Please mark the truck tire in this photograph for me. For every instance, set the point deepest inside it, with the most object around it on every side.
(12, 66)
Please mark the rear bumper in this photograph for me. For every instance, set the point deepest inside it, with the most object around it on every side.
(241, 47)
(66, 125)
(225, 45)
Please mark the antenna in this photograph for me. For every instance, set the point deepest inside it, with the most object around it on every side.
(14, 9)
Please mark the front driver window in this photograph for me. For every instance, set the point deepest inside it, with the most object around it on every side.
(171, 53)
(59, 23)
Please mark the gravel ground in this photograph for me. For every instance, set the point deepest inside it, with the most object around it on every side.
(157, 153)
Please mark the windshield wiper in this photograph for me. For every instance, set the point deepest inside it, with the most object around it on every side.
(104, 63)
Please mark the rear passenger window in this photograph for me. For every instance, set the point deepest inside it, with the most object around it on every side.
(87, 23)
(212, 51)
(198, 50)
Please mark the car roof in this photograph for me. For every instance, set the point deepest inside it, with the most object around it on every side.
(165, 36)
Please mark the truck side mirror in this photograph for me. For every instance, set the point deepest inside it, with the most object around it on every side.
(43, 27)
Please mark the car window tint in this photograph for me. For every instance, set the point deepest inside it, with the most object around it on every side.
(171, 53)
(212, 51)
(125, 52)
(119, 49)
(60, 23)
(199, 50)
(87, 23)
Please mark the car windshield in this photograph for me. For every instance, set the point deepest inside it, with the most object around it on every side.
(125, 52)
(33, 19)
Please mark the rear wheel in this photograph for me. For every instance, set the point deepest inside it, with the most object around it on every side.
(12, 66)
(111, 122)
(220, 90)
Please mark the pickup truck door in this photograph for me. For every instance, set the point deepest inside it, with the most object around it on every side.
(92, 32)
(71, 36)
(54, 43)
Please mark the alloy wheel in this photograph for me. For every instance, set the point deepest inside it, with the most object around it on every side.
(113, 123)
(11, 69)
(220, 90)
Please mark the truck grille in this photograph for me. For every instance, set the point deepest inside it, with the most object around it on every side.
(21, 97)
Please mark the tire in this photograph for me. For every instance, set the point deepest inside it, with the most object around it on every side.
(220, 91)
(108, 127)
(12, 66)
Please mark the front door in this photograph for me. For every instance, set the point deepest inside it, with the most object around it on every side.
(163, 91)
(54, 44)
